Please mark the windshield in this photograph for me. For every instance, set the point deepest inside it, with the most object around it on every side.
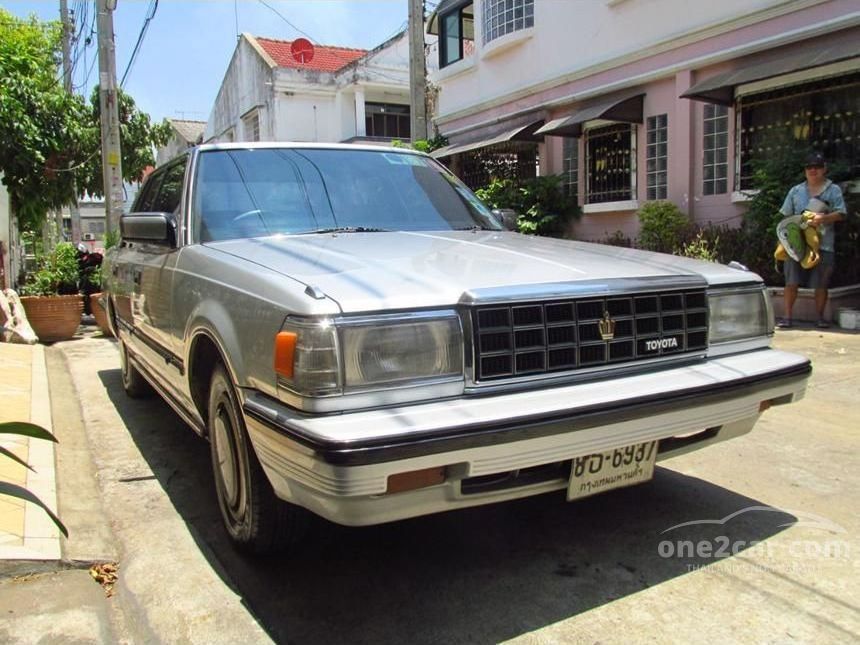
(270, 191)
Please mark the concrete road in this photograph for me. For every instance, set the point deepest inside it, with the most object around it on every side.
(782, 568)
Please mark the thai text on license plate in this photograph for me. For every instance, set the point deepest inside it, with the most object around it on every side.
(611, 469)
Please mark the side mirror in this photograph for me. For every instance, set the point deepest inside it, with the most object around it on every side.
(507, 217)
(156, 228)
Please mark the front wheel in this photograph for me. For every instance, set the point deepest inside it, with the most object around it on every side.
(132, 380)
(257, 521)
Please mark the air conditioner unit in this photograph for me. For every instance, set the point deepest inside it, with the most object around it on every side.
(89, 237)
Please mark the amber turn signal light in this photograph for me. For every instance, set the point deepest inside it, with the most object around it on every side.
(415, 479)
(285, 351)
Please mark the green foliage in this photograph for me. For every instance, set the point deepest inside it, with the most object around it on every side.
(701, 247)
(429, 145)
(137, 135)
(33, 431)
(662, 226)
(541, 205)
(41, 126)
(422, 145)
(111, 239)
(57, 273)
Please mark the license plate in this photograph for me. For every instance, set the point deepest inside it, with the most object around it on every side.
(612, 469)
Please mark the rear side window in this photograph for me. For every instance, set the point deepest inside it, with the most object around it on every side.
(147, 194)
(170, 190)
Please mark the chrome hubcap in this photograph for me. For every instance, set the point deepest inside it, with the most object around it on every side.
(227, 465)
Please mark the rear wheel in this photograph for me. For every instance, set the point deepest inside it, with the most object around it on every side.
(132, 381)
(257, 521)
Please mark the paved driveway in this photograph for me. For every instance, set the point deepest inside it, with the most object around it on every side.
(780, 566)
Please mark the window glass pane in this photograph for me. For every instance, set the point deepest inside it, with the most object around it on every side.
(823, 114)
(656, 155)
(170, 190)
(506, 16)
(609, 164)
(715, 149)
(451, 38)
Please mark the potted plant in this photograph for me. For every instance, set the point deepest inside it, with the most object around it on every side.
(93, 278)
(50, 297)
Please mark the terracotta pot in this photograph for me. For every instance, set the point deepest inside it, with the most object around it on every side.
(53, 318)
(99, 314)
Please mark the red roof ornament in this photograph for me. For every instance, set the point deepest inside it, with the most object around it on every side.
(302, 50)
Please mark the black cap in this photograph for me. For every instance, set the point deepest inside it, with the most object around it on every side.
(814, 159)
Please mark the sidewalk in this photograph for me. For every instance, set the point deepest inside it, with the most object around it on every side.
(26, 531)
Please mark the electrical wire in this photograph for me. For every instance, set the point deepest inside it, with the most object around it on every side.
(153, 7)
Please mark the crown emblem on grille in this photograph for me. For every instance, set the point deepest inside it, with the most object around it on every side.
(607, 327)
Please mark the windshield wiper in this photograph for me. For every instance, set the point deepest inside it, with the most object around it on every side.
(346, 229)
(474, 228)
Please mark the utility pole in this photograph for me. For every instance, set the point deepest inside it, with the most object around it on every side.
(67, 84)
(417, 71)
(109, 105)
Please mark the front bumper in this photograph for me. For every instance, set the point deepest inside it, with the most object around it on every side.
(338, 465)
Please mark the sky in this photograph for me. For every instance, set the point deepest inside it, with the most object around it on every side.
(188, 44)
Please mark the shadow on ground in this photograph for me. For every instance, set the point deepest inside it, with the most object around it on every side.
(479, 575)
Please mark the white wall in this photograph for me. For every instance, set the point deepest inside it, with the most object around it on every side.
(5, 219)
(569, 37)
(246, 85)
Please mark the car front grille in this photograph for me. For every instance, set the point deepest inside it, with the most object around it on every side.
(525, 339)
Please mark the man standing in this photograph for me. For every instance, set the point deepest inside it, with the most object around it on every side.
(816, 186)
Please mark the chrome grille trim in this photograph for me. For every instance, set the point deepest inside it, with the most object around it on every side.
(516, 340)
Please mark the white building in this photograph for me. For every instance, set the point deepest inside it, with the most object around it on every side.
(186, 134)
(633, 100)
(340, 94)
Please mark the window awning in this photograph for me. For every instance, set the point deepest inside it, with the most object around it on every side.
(626, 108)
(519, 133)
(720, 89)
(446, 6)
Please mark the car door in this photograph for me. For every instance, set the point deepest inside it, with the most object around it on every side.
(124, 265)
(152, 279)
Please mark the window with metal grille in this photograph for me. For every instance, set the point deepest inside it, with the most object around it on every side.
(570, 166)
(823, 115)
(716, 150)
(456, 36)
(610, 163)
(506, 16)
(511, 160)
(251, 126)
(657, 156)
(386, 120)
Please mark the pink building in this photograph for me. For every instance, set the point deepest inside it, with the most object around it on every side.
(634, 101)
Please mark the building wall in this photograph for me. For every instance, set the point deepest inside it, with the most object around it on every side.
(571, 38)
(578, 52)
(5, 236)
(246, 86)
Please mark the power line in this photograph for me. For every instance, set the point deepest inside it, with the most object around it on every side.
(153, 5)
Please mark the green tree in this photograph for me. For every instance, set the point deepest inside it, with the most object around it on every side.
(137, 136)
(41, 125)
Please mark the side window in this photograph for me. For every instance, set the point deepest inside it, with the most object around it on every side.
(146, 197)
(170, 190)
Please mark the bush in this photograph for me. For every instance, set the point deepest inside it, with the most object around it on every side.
(57, 273)
(541, 205)
(662, 227)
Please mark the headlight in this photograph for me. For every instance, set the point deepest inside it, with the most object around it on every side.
(739, 315)
(378, 353)
(320, 357)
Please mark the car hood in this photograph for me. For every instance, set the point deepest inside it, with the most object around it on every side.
(403, 270)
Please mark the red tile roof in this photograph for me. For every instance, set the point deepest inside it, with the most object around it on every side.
(326, 59)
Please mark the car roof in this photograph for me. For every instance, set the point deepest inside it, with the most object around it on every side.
(266, 145)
